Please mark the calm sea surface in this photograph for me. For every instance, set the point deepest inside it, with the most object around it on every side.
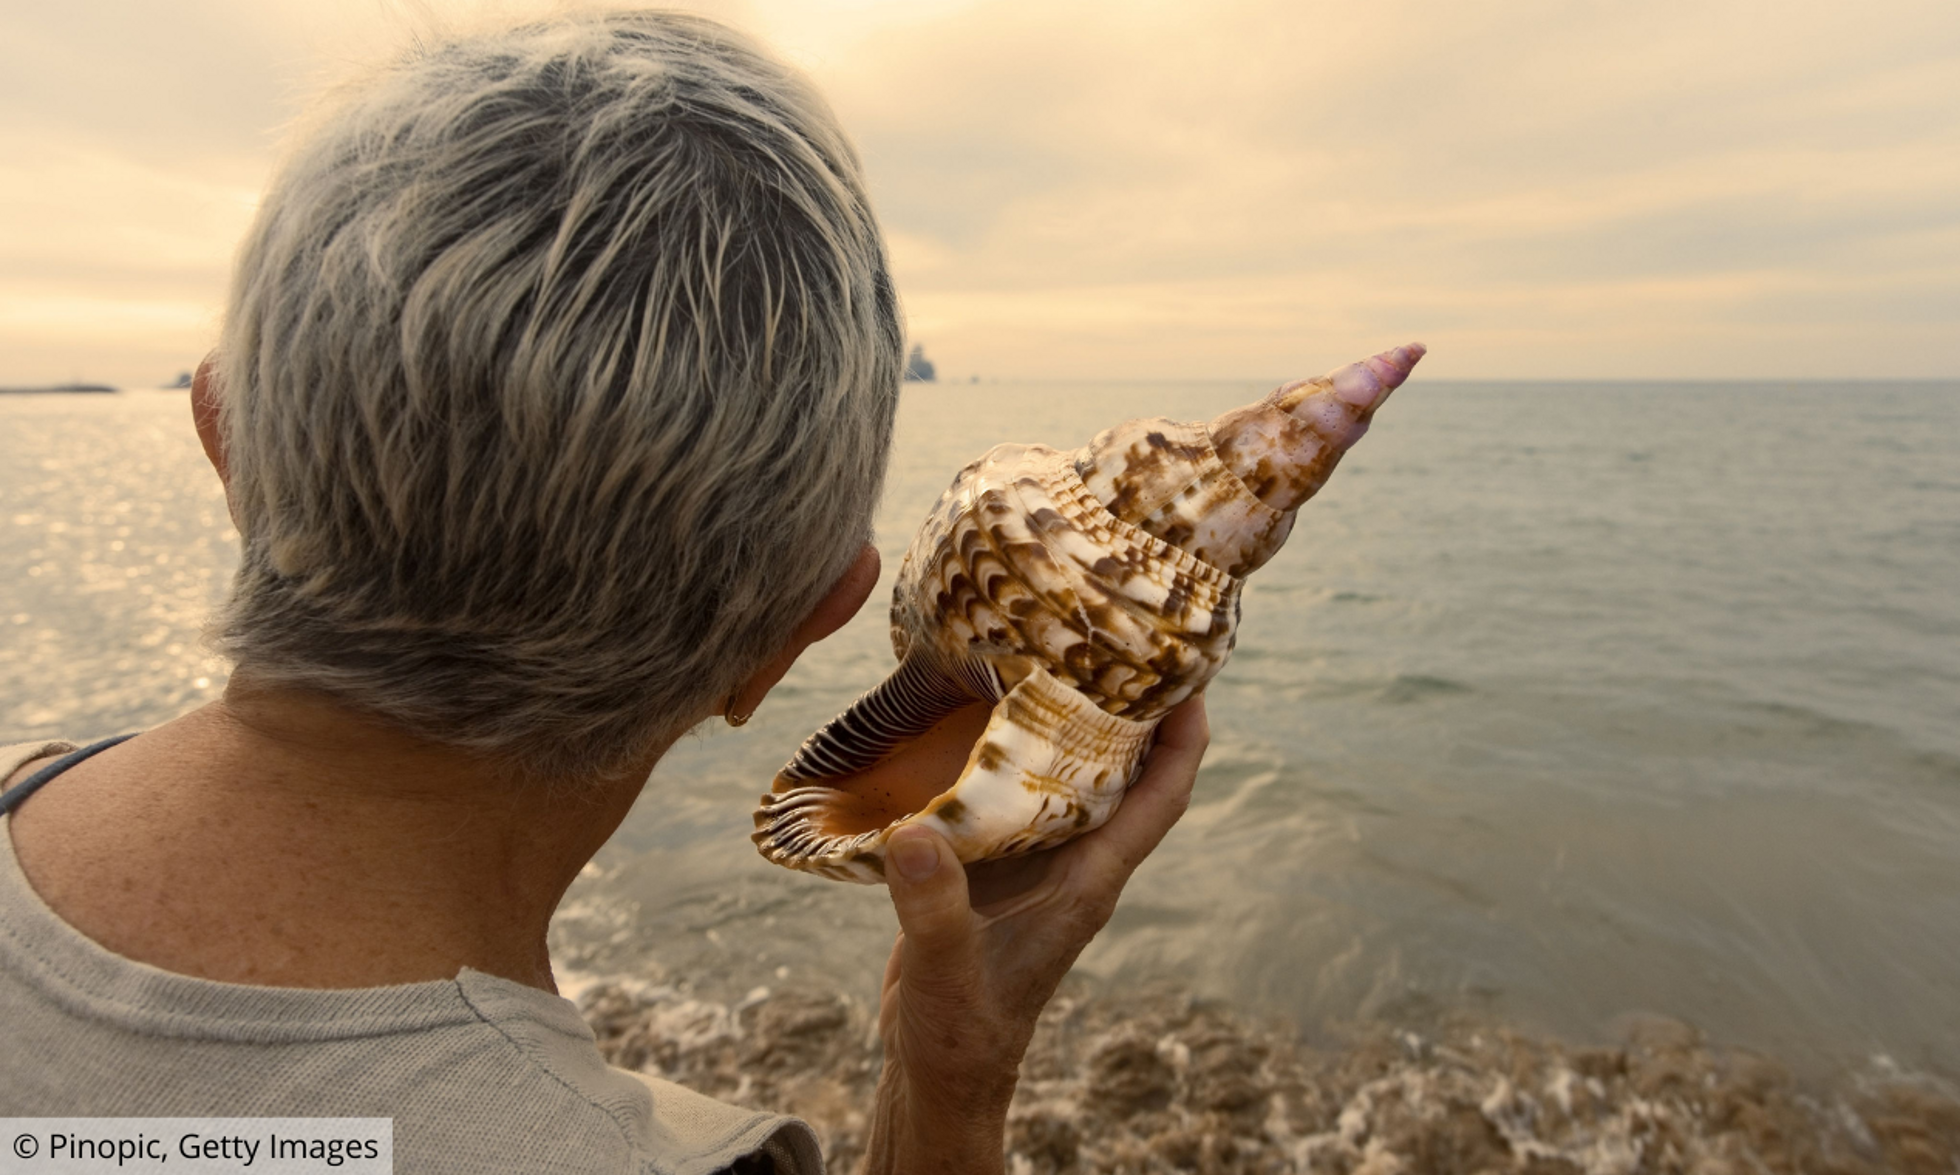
(1565, 703)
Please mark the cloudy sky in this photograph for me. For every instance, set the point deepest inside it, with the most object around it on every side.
(1206, 188)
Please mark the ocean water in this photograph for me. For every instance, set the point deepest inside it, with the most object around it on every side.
(1565, 704)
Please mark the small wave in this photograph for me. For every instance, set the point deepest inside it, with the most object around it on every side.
(1354, 598)
(1941, 766)
(1790, 718)
(1419, 687)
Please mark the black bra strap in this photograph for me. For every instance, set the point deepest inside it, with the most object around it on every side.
(16, 795)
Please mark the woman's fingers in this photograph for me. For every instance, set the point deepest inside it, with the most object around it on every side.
(1154, 802)
(964, 987)
(939, 946)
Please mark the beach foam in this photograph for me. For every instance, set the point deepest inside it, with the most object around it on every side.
(1165, 1082)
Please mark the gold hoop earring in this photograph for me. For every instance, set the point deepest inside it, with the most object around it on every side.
(729, 715)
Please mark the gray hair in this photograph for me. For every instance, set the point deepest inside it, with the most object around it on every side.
(558, 378)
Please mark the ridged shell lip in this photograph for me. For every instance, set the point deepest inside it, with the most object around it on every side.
(1049, 766)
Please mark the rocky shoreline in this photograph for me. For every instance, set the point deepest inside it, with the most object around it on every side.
(1164, 1082)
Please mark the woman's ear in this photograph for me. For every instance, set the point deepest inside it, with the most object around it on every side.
(832, 612)
(843, 600)
(206, 413)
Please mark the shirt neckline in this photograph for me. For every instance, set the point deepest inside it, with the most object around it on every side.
(40, 948)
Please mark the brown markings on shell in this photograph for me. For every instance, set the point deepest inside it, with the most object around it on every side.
(1048, 785)
(1168, 481)
(1146, 463)
(1281, 458)
(1242, 551)
(1154, 468)
(1004, 589)
(1045, 713)
(1253, 453)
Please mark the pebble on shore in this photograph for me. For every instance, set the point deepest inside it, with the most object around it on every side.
(1168, 1083)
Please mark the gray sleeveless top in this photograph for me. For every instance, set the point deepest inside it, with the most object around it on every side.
(480, 1074)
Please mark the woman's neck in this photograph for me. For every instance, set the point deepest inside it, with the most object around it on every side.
(279, 839)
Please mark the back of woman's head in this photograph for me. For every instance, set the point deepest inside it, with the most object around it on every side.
(558, 379)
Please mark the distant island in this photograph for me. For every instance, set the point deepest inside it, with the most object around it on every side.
(73, 387)
(918, 368)
(180, 383)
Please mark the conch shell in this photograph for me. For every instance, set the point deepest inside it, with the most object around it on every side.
(1052, 609)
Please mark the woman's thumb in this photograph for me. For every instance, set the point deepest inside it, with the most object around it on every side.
(928, 887)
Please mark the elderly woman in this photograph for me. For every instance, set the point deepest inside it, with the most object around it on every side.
(553, 401)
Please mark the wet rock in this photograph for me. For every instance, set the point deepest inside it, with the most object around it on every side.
(1227, 1071)
(1047, 1139)
(1459, 1139)
(1127, 1077)
(796, 1031)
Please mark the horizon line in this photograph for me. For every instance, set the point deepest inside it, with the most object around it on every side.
(1450, 379)
(96, 387)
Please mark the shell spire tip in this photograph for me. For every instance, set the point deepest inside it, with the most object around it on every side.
(1365, 384)
(1397, 363)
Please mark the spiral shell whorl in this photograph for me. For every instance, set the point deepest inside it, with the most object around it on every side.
(1021, 564)
(1165, 477)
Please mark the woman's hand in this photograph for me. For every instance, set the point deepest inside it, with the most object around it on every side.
(979, 952)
